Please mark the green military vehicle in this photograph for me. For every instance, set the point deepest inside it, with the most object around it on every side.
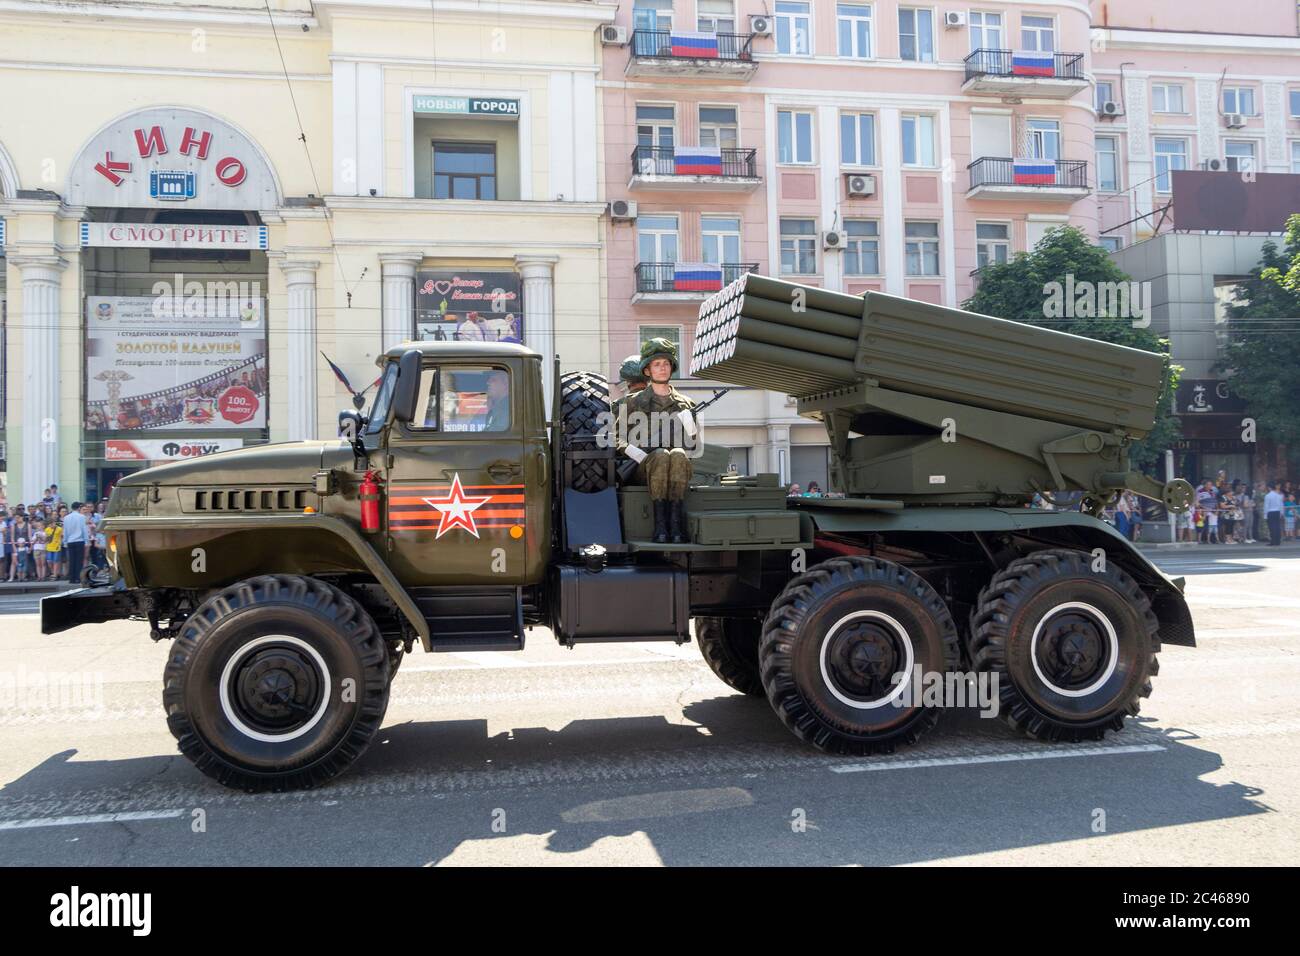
(292, 578)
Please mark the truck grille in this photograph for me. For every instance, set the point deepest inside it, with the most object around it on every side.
(248, 499)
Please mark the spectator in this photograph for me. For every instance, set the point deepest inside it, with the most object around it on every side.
(1289, 512)
(40, 538)
(794, 492)
(814, 490)
(1207, 501)
(1228, 514)
(76, 540)
(1273, 507)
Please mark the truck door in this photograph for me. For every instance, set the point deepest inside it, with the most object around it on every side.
(455, 487)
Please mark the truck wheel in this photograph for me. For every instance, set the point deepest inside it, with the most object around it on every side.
(1074, 649)
(584, 397)
(730, 648)
(276, 683)
(835, 641)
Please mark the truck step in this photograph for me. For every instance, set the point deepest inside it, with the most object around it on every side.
(473, 619)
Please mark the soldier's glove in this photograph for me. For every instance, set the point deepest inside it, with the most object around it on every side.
(635, 453)
(688, 422)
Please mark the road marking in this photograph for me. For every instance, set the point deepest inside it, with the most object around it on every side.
(997, 758)
(90, 818)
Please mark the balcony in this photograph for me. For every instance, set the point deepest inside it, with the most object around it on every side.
(668, 168)
(1025, 73)
(668, 53)
(1028, 179)
(685, 281)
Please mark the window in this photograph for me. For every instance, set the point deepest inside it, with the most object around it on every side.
(1107, 163)
(1240, 156)
(1167, 98)
(862, 250)
(918, 140)
(651, 19)
(853, 27)
(985, 31)
(739, 461)
(718, 127)
(1105, 93)
(715, 16)
(656, 134)
(720, 239)
(1038, 33)
(992, 243)
(1044, 139)
(464, 170)
(793, 28)
(857, 139)
(1295, 157)
(798, 247)
(916, 34)
(1111, 243)
(656, 238)
(794, 137)
(1295, 104)
(922, 248)
(1171, 154)
(383, 398)
(472, 398)
(1239, 99)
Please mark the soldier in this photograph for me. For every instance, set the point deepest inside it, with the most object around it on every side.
(631, 376)
(653, 416)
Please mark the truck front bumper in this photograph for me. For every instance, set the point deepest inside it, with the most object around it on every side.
(60, 612)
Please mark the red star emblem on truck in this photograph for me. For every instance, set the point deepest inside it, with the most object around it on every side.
(457, 509)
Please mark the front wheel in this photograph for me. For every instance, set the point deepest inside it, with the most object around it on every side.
(844, 648)
(276, 683)
(1073, 645)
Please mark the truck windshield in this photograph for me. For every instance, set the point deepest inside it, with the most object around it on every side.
(383, 397)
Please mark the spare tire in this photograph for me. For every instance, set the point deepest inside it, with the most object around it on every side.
(584, 399)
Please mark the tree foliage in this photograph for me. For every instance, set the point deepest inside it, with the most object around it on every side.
(1263, 350)
(1032, 286)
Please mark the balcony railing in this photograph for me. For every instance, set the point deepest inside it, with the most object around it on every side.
(1041, 174)
(669, 277)
(1064, 66)
(664, 45)
(687, 161)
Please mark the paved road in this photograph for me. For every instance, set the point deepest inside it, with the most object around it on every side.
(637, 754)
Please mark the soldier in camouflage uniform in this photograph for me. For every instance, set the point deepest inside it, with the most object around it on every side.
(653, 417)
(629, 373)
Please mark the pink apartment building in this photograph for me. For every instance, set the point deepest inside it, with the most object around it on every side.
(852, 145)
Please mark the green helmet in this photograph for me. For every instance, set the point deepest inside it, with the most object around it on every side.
(658, 348)
(630, 370)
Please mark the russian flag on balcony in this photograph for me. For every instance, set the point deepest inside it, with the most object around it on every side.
(695, 45)
(697, 161)
(1033, 63)
(697, 277)
(1033, 172)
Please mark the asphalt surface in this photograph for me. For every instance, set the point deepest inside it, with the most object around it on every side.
(637, 754)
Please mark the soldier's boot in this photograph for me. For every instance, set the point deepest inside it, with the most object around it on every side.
(661, 521)
(677, 521)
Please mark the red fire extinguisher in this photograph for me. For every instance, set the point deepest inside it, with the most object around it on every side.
(369, 493)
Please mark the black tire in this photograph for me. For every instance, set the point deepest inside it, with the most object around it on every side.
(730, 648)
(584, 398)
(829, 679)
(251, 646)
(1100, 654)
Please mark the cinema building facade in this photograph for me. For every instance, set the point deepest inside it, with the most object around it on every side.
(198, 242)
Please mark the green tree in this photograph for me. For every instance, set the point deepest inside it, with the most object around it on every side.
(1022, 289)
(1263, 350)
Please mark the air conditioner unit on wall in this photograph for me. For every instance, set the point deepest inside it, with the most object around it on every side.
(623, 210)
(1234, 120)
(954, 19)
(859, 184)
(613, 35)
(1213, 165)
(832, 239)
(1109, 108)
(760, 26)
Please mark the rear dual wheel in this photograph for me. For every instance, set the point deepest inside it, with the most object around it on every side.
(842, 647)
(1073, 645)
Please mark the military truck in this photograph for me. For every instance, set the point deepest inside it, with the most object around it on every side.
(291, 579)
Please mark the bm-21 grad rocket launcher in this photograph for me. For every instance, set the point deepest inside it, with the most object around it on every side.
(927, 405)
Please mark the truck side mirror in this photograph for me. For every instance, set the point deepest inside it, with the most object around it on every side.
(406, 393)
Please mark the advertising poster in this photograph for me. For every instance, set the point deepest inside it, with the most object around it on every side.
(176, 362)
(469, 306)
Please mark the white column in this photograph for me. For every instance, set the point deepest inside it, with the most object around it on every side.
(41, 375)
(398, 270)
(538, 274)
(300, 329)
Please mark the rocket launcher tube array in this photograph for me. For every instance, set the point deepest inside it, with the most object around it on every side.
(751, 333)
